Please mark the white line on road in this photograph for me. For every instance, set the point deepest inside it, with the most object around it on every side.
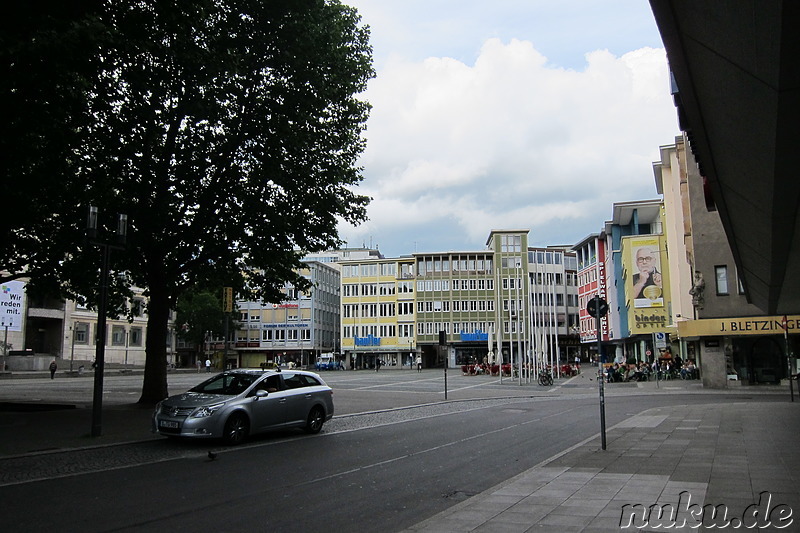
(433, 448)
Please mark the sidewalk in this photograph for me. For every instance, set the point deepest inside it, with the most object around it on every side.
(722, 455)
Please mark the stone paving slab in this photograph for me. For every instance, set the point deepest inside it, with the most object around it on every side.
(735, 458)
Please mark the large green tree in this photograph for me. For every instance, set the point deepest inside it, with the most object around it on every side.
(199, 313)
(228, 131)
(45, 75)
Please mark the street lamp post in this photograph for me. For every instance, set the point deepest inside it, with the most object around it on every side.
(105, 248)
(73, 329)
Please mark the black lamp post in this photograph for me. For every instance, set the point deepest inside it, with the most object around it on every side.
(100, 348)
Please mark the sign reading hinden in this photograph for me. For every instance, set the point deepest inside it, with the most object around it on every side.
(758, 325)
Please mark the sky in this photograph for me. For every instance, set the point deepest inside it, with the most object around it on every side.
(508, 114)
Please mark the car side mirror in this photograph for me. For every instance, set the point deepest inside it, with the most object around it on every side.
(261, 393)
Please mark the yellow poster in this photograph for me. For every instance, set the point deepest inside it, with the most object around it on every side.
(646, 284)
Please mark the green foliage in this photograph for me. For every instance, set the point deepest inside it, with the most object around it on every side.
(45, 76)
(227, 130)
(199, 312)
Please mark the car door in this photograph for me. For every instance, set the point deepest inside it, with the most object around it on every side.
(299, 399)
(268, 412)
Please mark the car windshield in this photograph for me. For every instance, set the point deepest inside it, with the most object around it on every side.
(229, 384)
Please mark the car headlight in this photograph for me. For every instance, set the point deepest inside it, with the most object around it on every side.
(206, 410)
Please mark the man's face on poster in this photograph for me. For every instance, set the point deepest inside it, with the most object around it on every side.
(645, 261)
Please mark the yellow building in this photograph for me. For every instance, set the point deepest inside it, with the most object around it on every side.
(377, 311)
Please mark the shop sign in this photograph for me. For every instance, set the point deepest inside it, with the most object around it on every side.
(653, 320)
(368, 341)
(764, 325)
(477, 336)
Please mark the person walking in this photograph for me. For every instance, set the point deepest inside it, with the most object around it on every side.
(419, 363)
(53, 368)
(208, 365)
(377, 364)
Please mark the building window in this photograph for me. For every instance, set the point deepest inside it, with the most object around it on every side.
(118, 336)
(81, 333)
(721, 272)
(137, 307)
(136, 337)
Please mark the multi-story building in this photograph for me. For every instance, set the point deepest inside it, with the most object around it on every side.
(297, 329)
(67, 332)
(672, 183)
(554, 302)
(456, 294)
(732, 340)
(301, 326)
(377, 311)
(592, 281)
(638, 280)
(508, 303)
(125, 334)
(343, 254)
(625, 265)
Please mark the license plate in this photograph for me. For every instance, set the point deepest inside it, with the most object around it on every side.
(168, 424)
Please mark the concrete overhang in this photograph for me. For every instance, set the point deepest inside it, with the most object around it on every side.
(737, 75)
(646, 211)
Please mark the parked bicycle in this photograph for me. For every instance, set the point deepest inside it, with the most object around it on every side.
(545, 377)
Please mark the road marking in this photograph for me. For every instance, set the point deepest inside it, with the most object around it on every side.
(433, 448)
(394, 384)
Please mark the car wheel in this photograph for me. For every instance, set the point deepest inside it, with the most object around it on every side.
(315, 420)
(237, 428)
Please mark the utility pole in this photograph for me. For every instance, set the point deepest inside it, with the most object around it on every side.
(100, 350)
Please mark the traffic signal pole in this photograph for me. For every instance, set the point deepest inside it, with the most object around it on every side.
(602, 384)
(597, 307)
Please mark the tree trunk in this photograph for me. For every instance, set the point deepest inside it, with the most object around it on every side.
(154, 386)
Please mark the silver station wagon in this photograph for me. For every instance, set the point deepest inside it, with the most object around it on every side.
(238, 403)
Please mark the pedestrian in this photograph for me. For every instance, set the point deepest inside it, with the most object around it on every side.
(377, 365)
(198, 365)
(53, 368)
(208, 365)
(419, 363)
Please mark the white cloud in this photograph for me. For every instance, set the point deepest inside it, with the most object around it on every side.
(510, 140)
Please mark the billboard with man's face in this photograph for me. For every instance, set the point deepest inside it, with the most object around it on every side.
(646, 281)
